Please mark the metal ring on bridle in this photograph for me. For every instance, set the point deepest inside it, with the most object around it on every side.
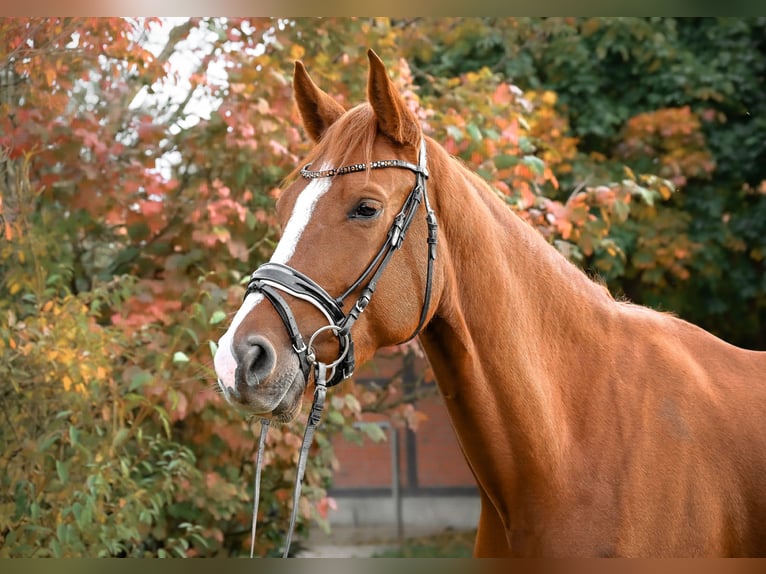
(337, 331)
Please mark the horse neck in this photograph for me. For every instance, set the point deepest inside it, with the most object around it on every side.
(506, 342)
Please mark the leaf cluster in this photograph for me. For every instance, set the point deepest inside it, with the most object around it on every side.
(677, 98)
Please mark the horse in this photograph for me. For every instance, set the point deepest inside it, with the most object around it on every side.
(593, 426)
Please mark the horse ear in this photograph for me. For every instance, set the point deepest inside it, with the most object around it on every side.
(394, 117)
(318, 110)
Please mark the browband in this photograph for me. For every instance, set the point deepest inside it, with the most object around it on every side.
(308, 174)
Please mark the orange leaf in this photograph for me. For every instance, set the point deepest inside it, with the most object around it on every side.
(50, 76)
(502, 95)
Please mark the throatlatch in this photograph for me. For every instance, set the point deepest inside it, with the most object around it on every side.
(271, 278)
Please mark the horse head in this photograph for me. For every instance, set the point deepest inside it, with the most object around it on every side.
(344, 219)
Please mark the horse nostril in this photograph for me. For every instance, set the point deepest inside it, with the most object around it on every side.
(256, 359)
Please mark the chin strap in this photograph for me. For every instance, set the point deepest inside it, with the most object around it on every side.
(320, 379)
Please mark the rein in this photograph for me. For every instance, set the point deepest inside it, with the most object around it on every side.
(272, 278)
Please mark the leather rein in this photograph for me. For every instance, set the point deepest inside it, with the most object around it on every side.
(272, 278)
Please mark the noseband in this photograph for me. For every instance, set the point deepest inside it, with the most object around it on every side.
(272, 278)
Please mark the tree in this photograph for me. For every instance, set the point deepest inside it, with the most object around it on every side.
(679, 97)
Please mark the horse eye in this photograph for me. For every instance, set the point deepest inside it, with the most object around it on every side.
(365, 210)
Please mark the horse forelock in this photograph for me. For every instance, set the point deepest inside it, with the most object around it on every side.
(352, 133)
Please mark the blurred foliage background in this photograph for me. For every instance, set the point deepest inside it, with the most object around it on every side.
(139, 163)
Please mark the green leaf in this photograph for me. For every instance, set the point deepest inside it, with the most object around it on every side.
(217, 317)
(180, 357)
(474, 132)
(139, 379)
(505, 161)
(534, 163)
(56, 548)
(622, 210)
(192, 335)
(455, 132)
(138, 231)
(242, 174)
(199, 540)
(335, 417)
(63, 471)
(74, 435)
(164, 419)
(646, 194)
(134, 399)
(250, 220)
(10, 538)
(77, 512)
(119, 437)
(526, 145)
(351, 434)
(373, 431)
(352, 403)
(47, 441)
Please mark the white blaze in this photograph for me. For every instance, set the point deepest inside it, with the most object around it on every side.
(224, 361)
(300, 217)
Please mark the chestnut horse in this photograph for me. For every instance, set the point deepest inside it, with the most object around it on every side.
(593, 427)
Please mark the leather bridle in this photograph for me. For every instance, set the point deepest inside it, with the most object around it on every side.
(272, 278)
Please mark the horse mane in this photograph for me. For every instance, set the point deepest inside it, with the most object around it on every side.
(591, 286)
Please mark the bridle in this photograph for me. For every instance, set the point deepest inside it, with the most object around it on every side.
(272, 278)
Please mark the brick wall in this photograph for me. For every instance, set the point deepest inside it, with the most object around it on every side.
(430, 460)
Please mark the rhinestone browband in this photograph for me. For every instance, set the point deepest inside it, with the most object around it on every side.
(308, 174)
